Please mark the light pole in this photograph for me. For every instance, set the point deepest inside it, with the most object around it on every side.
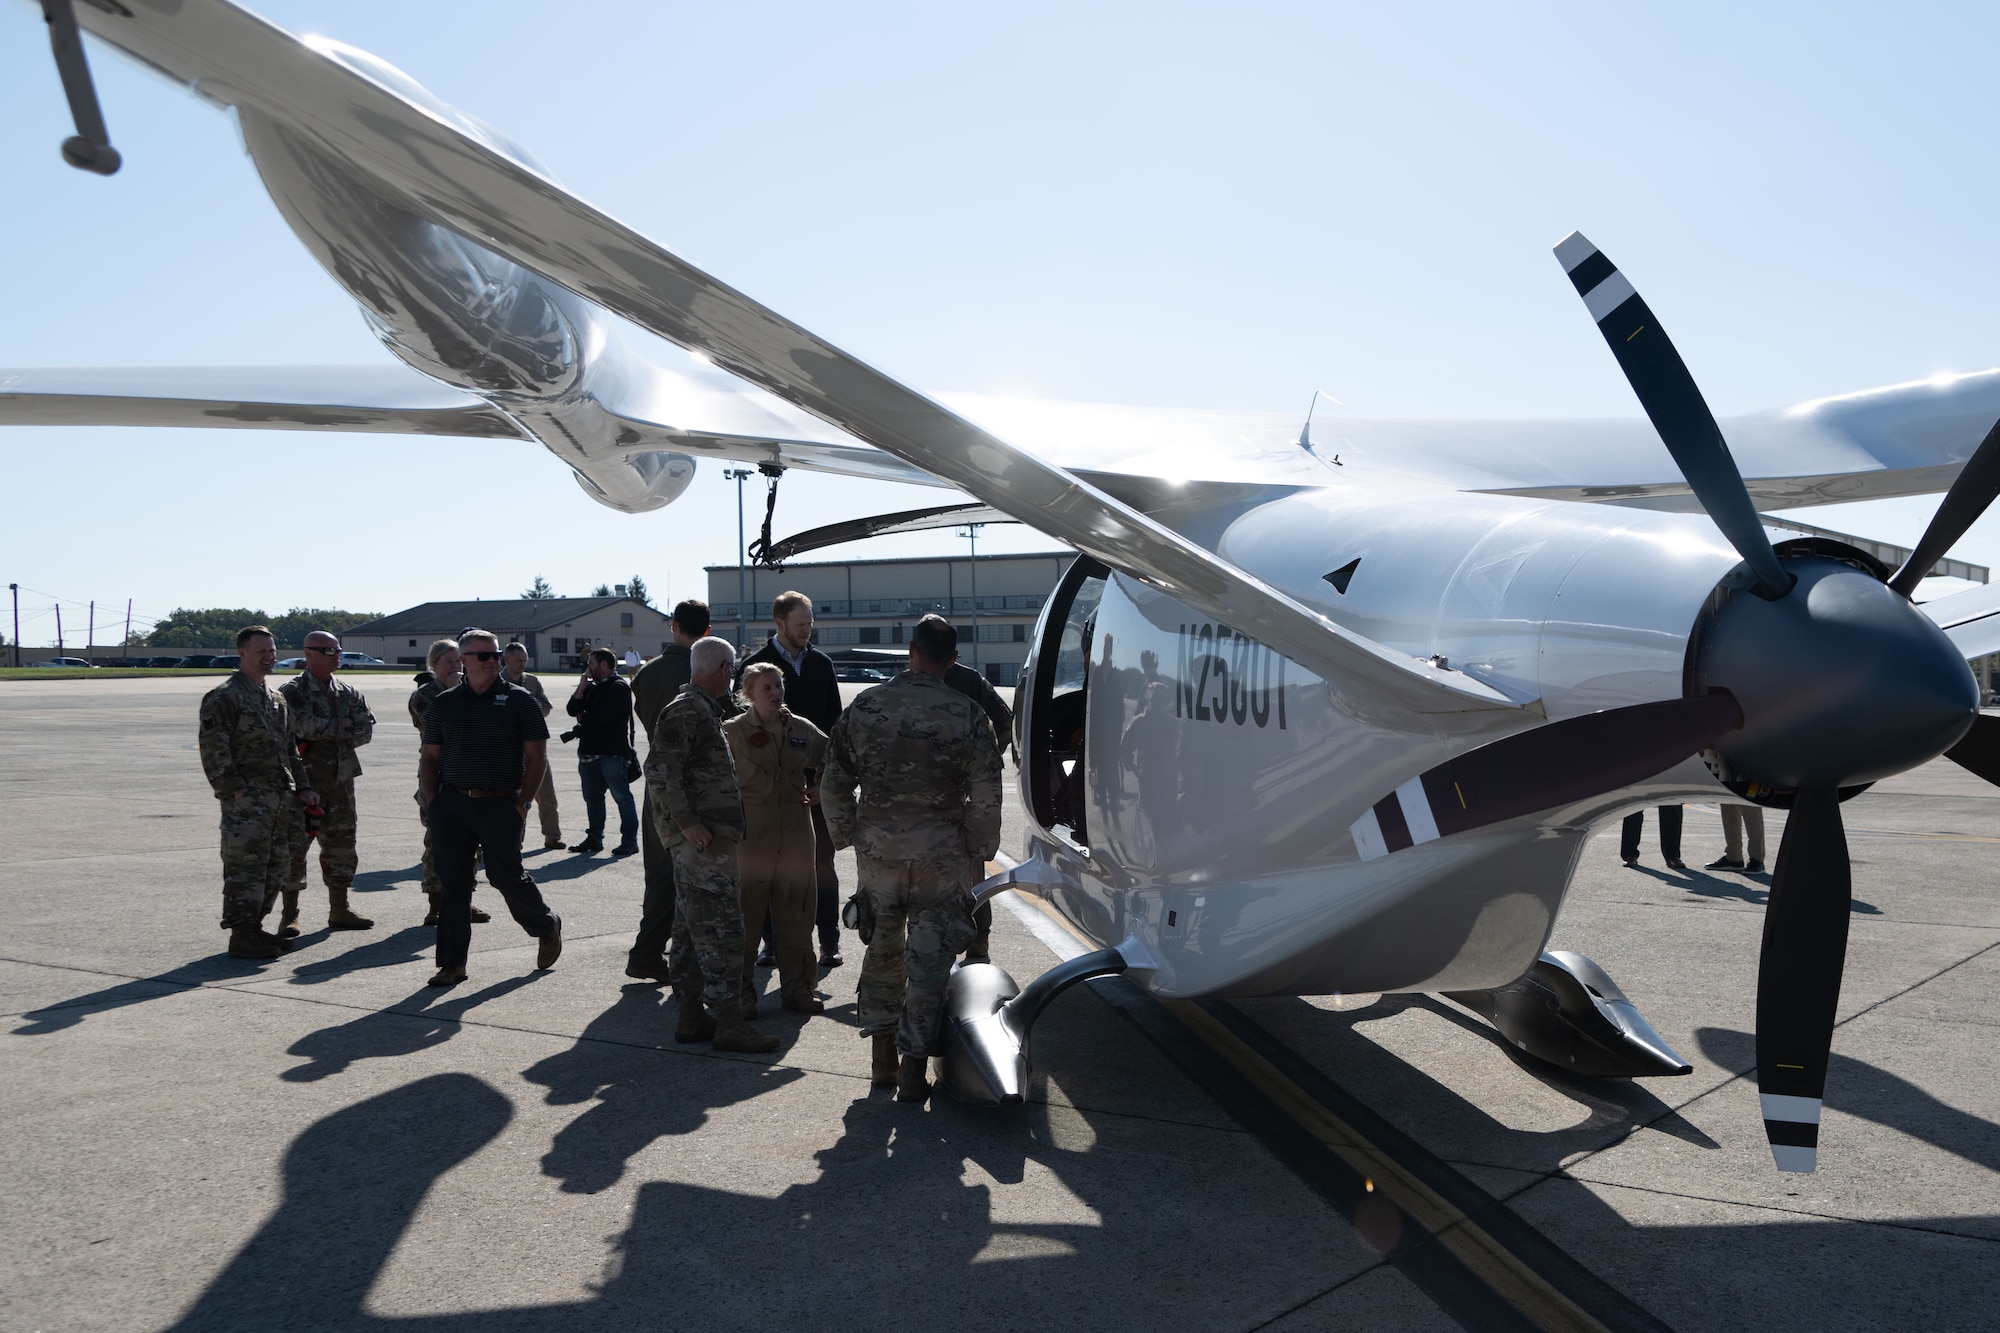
(739, 475)
(15, 588)
(972, 562)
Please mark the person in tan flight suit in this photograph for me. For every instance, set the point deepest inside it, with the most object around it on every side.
(778, 757)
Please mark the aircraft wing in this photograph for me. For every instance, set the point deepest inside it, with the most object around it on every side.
(725, 419)
(234, 57)
(381, 400)
(1970, 619)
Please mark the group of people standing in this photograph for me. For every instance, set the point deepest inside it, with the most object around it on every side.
(751, 784)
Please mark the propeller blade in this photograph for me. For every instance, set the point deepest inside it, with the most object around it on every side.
(1975, 487)
(1552, 765)
(1798, 977)
(1979, 752)
(1674, 404)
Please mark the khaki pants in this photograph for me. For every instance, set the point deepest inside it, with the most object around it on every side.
(1734, 818)
(545, 810)
(775, 866)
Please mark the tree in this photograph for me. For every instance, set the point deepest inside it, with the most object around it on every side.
(291, 628)
(636, 590)
(211, 627)
(215, 627)
(539, 591)
(601, 590)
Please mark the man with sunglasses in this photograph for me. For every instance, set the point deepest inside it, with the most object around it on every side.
(330, 718)
(485, 749)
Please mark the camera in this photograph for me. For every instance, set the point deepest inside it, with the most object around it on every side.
(568, 736)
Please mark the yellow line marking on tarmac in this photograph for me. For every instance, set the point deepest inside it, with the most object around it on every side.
(1495, 1265)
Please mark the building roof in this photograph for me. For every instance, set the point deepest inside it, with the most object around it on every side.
(503, 618)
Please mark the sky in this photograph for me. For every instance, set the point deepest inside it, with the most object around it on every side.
(1173, 205)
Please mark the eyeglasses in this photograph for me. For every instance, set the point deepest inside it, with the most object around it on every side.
(330, 652)
(484, 657)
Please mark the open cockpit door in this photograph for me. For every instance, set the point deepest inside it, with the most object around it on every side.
(1057, 696)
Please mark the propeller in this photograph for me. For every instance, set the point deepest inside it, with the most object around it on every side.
(1841, 682)
(1979, 752)
(1674, 404)
(1798, 975)
(1975, 487)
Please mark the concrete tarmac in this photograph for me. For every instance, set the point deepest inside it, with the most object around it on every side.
(322, 1141)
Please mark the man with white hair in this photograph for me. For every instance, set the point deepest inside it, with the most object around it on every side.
(698, 808)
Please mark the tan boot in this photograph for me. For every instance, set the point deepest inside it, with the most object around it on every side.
(339, 916)
(247, 941)
(911, 1085)
(733, 1034)
(695, 1025)
(288, 915)
(882, 1065)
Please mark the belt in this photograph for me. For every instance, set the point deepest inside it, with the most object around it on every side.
(481, 792)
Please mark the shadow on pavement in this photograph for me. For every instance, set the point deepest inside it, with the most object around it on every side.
(416, 1024)
(380, 881)
(215, 970)
(637, 1100)
(352, 1183)
(408, 945)
(1752, 889)
(1870, 1093)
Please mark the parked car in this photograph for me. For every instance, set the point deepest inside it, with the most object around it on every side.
(197, 660)
(228, 661)
(360, 659)
(859, 675)
(162, 662)
(292, 663)
(61, 662)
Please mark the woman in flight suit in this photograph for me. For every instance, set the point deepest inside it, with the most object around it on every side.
(778, 757)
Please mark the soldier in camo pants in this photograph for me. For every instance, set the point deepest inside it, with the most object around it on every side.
(698, 810)
(255, 771)
(912, 783)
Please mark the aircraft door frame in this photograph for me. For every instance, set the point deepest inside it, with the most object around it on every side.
(1043, 753)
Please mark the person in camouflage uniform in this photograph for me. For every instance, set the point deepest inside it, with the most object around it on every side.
(926, 820)
(446, 670)
(699, 811)
(255, 770)
(330, 718)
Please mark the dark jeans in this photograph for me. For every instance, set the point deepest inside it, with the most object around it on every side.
(656, 913)
(1670, 834)
(462, 827)
(601, 773)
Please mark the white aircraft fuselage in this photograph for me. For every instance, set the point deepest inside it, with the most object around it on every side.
(1222, 778)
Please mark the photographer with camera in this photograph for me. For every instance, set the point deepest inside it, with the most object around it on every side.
(602, 707)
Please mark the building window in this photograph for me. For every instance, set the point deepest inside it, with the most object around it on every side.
(413, 643)
(624, 620)
(1020, 636)
(898, 635)
(558, 645)
(871, 634)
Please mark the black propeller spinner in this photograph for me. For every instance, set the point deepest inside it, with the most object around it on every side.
(1808, 675)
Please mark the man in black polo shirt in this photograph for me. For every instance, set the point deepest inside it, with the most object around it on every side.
(485, 750)
(813, 694)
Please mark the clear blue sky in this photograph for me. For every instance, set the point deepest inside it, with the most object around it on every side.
(1213, 206)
